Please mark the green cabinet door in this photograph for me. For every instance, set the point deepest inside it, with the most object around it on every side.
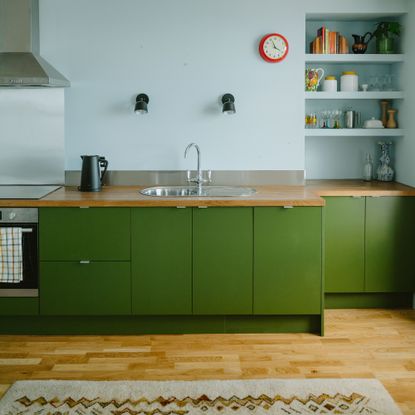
(390, 240)
(19, 306)
(344, 244)
(73, 288)
(161, 260)
(222, 260)
(71, 234)
(287, 260)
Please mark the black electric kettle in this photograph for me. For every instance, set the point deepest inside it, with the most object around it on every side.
(91, 175)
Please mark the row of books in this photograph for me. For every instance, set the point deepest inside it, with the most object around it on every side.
(329, 42)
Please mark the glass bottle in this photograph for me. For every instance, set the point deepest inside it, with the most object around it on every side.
(368, 168)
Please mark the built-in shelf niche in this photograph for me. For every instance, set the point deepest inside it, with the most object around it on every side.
(345, 145)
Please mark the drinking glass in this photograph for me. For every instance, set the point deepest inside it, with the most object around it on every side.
(374, 83)
(388, 82)
(337, 118)
(324, 119)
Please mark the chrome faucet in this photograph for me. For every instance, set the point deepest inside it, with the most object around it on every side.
(199, 180)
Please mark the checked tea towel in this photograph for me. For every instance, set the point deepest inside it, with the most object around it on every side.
(11, 258)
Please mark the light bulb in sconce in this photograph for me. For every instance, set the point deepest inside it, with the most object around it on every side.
(228, 102)
(141, 102)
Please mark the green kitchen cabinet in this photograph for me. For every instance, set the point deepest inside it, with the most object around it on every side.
(71, 234)
(161, 260)
(75, 288)
(344, 244)
(222, 260)
(390, 238)
(287, 260)
(19, 306)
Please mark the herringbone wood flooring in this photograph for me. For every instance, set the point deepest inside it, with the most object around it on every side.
(358, 343)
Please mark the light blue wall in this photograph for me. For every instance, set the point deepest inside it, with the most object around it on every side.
(405, 151)
(184, 54)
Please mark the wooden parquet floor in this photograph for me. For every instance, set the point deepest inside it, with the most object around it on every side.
(358, 344)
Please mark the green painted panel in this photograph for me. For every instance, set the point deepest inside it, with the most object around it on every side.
(287, 260)
(157, 324)
(60, 234)
(344, 244)
(390, 241)
(369, 300)
(70, 234)
(98, 288)
(161, 261)
(222, 260)
(273, 324)
(15, 306)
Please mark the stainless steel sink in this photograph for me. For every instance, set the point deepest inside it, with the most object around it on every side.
(193, 191)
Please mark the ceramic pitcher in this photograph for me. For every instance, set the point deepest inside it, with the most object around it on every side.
(313, 78)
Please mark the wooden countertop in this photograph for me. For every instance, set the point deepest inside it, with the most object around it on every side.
(130, 196)
(358, 188)
(309, 195)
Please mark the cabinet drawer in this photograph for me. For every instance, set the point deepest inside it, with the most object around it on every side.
(97, 288)
(71, 234)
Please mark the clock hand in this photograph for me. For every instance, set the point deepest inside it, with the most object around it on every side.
(275, 47)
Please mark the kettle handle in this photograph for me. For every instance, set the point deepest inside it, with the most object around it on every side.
(103, 163)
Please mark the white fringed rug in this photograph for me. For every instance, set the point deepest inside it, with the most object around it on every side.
(277, 396)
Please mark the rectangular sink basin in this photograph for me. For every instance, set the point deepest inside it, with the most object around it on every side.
(193, 191)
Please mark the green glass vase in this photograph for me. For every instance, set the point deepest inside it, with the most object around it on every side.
(385, 44)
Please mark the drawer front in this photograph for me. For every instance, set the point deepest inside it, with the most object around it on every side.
(72, 234)
(97, 288)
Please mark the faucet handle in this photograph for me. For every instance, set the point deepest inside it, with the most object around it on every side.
(188, 176)
(209, 176)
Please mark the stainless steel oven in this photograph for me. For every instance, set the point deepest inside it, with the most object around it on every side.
(27, 219)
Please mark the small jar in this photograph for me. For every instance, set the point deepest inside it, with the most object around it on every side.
(349, 82)
(330, 84)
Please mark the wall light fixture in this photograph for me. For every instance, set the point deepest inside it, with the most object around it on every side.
(228, 101)
(141, 104)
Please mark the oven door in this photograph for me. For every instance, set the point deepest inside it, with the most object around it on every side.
(30, 284)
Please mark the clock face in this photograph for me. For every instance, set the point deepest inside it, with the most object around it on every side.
(273, 47)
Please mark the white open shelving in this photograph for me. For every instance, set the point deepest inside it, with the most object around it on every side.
(378, 95)
(348, 146)
(354, 132)
(354, 58)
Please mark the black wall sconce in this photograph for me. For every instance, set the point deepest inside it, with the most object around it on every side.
(141, 104)
(228, 101)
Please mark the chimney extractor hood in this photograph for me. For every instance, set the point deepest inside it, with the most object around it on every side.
(20, 63)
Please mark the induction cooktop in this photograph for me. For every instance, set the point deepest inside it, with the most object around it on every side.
(25, 191)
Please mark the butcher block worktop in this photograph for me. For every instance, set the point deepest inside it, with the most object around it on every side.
(130, 196)
(358, 188)
(309, 195)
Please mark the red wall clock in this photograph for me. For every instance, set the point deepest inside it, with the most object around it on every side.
(273, 47)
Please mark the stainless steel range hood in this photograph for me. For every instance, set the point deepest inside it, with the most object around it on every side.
(20, 63)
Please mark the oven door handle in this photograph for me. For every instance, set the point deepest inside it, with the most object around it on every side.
(27, 230)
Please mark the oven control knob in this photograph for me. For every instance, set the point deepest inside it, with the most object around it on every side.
(12, 215)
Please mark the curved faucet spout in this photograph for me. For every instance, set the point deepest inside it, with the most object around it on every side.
(199, 171)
